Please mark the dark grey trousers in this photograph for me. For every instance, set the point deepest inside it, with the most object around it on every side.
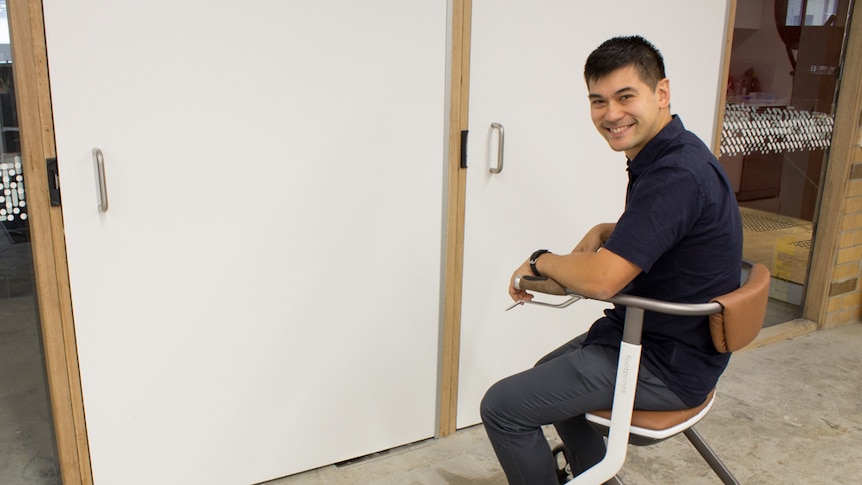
(565, 384)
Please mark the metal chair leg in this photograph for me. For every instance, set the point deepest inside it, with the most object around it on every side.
(706, 452)
(615, 481)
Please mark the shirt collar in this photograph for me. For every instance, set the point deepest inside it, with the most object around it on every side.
(654, 147)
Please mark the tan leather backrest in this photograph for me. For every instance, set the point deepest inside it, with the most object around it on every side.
(744, 310)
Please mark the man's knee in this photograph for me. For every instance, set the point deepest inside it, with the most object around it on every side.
(491, 403)
(497, 404)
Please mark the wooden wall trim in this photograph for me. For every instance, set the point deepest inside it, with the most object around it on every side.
(835, 181)
(725, 72)
(457, 185)
(35, 117)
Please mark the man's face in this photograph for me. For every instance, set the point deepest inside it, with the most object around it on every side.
(626, 111)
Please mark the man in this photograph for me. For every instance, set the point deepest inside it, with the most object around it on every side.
(679, 239)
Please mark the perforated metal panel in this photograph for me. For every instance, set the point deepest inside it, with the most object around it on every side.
(748, 129)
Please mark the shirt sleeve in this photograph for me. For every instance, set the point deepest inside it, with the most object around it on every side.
(662, 207)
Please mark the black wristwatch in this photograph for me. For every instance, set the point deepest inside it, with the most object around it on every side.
(534, 258)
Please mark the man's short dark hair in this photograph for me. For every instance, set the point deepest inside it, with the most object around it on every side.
(621, 52)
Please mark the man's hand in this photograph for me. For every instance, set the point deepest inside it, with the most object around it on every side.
(520, 295)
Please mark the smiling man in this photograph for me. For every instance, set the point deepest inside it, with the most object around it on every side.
(679, 239)
(628, 111)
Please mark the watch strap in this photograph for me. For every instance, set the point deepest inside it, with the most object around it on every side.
(535, 257)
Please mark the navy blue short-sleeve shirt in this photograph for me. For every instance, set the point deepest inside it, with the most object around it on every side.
(682, 227)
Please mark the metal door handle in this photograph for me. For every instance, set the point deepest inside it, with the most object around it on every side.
(500, 139)
(99, 159)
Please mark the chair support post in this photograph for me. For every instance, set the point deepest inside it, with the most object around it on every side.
(624, 401)
(634, 326)
(706, 452)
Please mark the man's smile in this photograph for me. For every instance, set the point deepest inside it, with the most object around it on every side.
(617, 130)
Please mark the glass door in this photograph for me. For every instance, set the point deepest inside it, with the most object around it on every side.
(784, 68)
(27, 444)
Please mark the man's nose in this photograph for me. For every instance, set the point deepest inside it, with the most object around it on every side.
(614, 111)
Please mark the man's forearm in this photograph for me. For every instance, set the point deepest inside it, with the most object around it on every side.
(586, 270)
(598, 275)
(595, 238)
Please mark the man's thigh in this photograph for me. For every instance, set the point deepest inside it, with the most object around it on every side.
(570, 381)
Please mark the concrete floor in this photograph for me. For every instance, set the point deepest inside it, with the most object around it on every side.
(787, 413)
(27, 452)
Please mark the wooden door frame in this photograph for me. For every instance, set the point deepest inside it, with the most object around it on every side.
(725, 72)
(459, 98)
(54, 301)
(839, 163)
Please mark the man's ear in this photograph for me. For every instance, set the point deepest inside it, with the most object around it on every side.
(662, 90)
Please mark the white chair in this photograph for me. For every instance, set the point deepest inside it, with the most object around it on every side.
(734, 319)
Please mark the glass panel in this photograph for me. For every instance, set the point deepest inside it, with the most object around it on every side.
(820, 12)
(817, 12)
(794, 13)
(777, 130)
(27, 445)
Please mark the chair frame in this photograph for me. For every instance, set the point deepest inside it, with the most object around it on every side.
(619, 427)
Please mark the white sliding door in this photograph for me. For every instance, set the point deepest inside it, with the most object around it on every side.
(559, 177)
(262, 295)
